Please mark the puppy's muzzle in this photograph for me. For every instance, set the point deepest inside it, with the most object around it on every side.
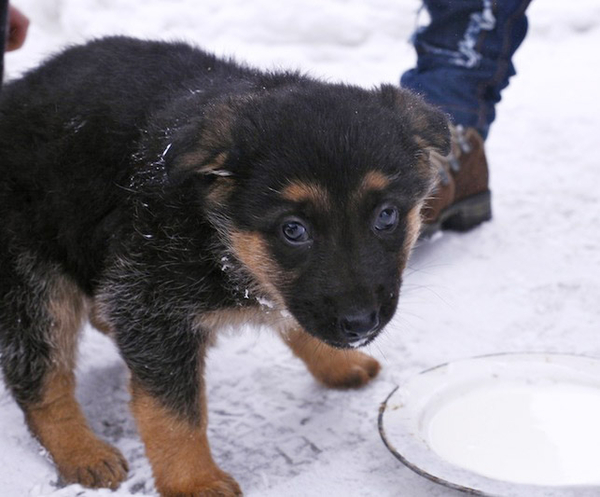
(359, 326)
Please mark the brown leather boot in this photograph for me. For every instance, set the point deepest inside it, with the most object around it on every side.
(461, 200)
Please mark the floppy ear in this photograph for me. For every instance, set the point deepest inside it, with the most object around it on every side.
(208, 141)
(428, 125)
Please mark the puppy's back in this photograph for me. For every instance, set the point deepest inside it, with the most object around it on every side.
(68, 131)
(113, 83)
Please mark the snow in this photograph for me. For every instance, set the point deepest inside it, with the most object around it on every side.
(527, 281)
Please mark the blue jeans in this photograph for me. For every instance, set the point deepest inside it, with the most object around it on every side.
(464, 57)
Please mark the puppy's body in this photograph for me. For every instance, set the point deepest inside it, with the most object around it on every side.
(168, 193)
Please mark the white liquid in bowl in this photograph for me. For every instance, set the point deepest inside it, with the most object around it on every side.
(546, 434)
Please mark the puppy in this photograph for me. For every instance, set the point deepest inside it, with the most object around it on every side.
(164, 193)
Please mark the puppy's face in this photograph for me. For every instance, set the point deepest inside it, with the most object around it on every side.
(321, 190)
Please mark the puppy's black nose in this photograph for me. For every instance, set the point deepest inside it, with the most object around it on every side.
(360, 324)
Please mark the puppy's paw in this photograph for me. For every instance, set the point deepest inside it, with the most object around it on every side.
(346, 369)
(218, 484)
(95, 465)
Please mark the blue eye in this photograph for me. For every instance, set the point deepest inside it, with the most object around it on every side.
(387, 219)
(294, 232)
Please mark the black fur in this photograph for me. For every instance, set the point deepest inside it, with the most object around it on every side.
(112, 157)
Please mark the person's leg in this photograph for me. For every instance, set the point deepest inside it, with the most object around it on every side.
(3, 31)
(464, 57)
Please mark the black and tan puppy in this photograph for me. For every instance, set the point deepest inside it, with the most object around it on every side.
(165, 194)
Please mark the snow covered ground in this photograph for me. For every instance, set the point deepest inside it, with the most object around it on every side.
(527, 281)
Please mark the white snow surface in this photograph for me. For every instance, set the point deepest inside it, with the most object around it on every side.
(527, 281)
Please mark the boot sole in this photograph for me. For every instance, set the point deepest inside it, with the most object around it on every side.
(463, 215)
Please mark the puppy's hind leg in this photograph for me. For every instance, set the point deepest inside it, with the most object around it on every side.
(41, 313)
(332, 367)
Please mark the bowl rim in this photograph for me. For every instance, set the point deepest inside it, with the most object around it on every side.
(443, 472)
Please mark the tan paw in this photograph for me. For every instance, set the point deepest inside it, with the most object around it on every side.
(95, 465)
(345, 369)
(218, 484)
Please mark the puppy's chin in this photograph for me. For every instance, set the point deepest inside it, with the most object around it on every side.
(346, 344)
(338, 339)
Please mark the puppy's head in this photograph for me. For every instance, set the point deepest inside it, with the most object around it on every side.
(317, 190)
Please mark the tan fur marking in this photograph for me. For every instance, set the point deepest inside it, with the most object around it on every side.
(192, 160)
(236, 317)
(216, 164)
(59, 424)
(56, 420)
(251, 249)
(375, 180)
(179, 452)
(332, 367)
(413, 227)
(372, 181)
(216, 135)
(425, 158)
(226, 318)
(220, 191)
(98, 322)
(220, 118)
(307, 192)
(422, 144)
(67, 307)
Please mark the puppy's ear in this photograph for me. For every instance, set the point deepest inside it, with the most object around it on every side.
(209, 142)
(428, 125)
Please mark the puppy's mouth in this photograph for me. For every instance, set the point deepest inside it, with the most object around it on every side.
(362, 341)
(353, 342)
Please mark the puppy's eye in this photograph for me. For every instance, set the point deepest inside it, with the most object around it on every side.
(387, 219)
(294, 232)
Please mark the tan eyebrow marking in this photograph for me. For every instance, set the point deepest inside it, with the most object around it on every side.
(372, 181)
(298, 191)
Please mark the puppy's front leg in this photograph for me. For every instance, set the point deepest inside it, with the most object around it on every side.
(332, 367)
(169, 404)
(178, 450)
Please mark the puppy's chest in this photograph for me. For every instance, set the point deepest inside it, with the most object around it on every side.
(263, 313)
